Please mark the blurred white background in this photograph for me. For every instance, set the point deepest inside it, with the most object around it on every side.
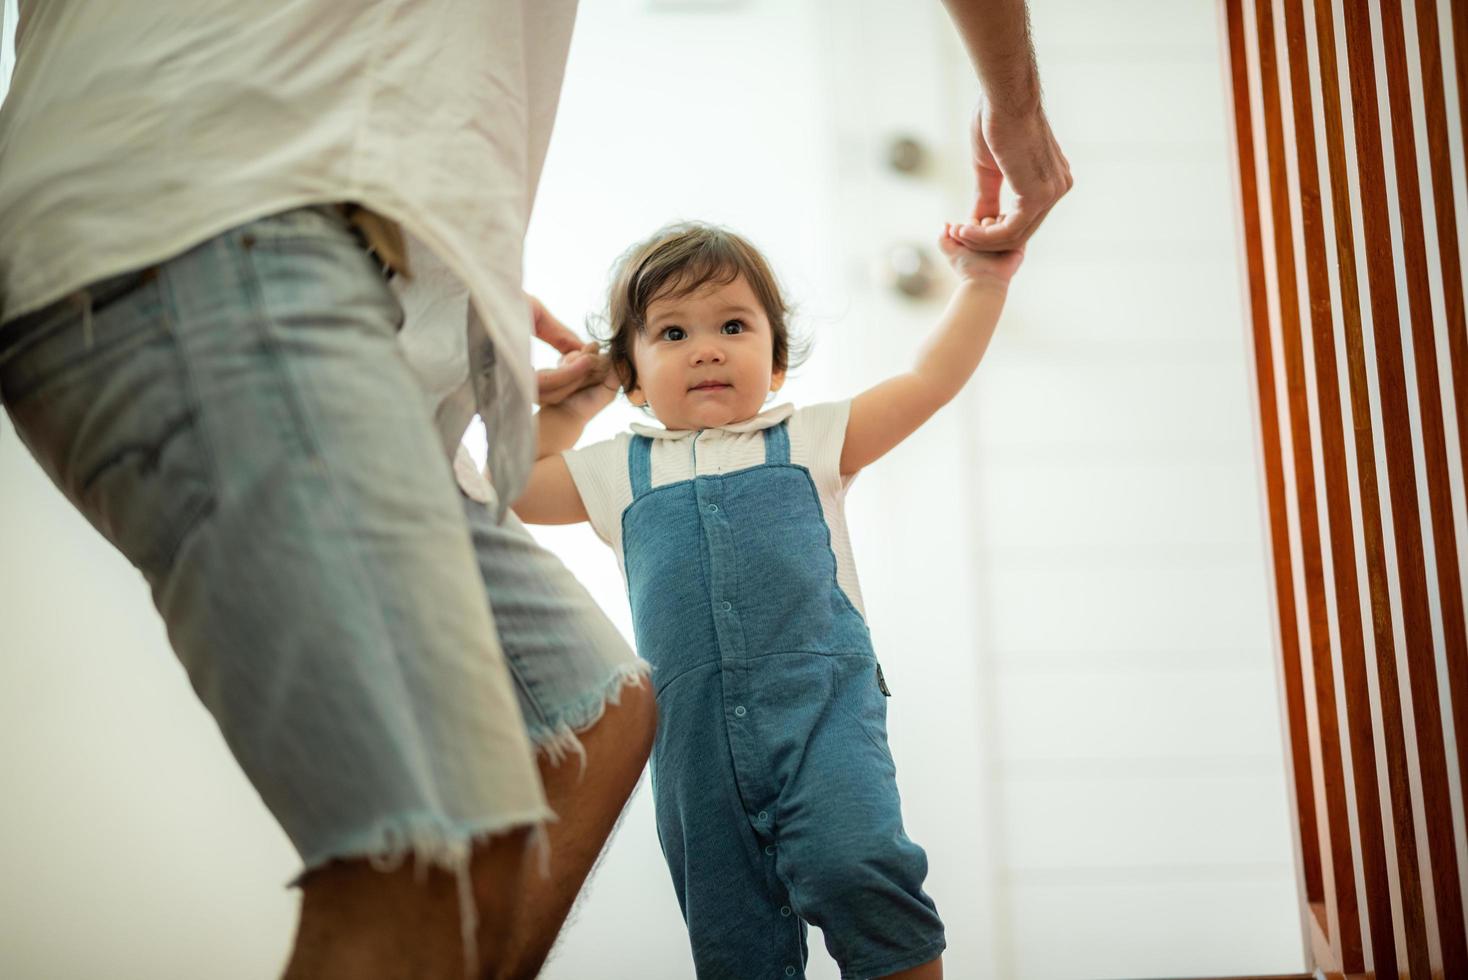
(1065, 570)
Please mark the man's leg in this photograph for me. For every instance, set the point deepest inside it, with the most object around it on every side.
(240, 424)
(588, 804)
(404, 924)
(357, 921)
(588, 707)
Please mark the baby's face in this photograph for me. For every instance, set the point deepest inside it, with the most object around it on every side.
(705, 359)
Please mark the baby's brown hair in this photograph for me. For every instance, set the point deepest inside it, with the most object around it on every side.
(675, 261)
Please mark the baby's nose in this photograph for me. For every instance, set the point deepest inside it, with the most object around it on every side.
(708, 355)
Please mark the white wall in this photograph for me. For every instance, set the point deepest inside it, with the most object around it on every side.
(1074, 621)
(1144, 812)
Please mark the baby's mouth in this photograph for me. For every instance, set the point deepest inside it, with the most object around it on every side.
(710, 386)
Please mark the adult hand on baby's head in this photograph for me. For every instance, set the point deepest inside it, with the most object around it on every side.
(973, 265)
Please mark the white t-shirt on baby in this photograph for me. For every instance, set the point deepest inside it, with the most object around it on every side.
(817, 434)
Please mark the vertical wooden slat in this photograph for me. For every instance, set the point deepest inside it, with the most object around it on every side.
(1293, 684)
(1401, 468)
(1343, 919)
(1345, 242)
(1434, 97)
(1445, 209)
(1378, 861)
(1351, 629)
(1421, 656)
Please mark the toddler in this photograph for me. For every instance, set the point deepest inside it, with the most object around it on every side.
(775, 793)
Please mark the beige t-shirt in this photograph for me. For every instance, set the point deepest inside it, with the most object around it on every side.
(135, 129)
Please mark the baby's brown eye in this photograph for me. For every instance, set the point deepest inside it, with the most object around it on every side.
(674, 333)
(734, 326)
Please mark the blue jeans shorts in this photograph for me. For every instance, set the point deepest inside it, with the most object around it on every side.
(382, 658)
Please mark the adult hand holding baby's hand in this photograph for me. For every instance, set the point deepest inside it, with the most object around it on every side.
(592, 398)
(579, 366)
(973, 265)
(1018, 148)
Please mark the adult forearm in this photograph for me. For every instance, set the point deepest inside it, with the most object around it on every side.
(953, 352)
(997, 36)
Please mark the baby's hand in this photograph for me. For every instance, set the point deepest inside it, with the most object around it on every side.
(976, 266)
(598, 389)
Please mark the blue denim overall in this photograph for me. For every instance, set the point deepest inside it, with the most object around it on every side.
(775, 792)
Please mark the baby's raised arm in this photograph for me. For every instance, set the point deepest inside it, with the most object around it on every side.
(883, 416)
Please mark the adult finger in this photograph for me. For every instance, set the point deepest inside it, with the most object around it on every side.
(998, 238)
(988, 178)
(554, 396)
(557, 334)
(554, 384)
(559, 383)
(986, 200)
(558, 395)
(551, 330)
(1009, 232)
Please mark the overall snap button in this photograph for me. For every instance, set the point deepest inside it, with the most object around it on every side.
(739, 712)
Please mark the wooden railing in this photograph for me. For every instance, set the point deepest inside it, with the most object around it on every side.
(1363, 417)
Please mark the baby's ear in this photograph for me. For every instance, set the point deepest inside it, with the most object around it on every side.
(777, 381)
(623, 374)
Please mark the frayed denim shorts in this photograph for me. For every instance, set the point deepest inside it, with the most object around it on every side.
(382, 658)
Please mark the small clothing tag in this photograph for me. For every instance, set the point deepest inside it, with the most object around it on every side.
(882, 682)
